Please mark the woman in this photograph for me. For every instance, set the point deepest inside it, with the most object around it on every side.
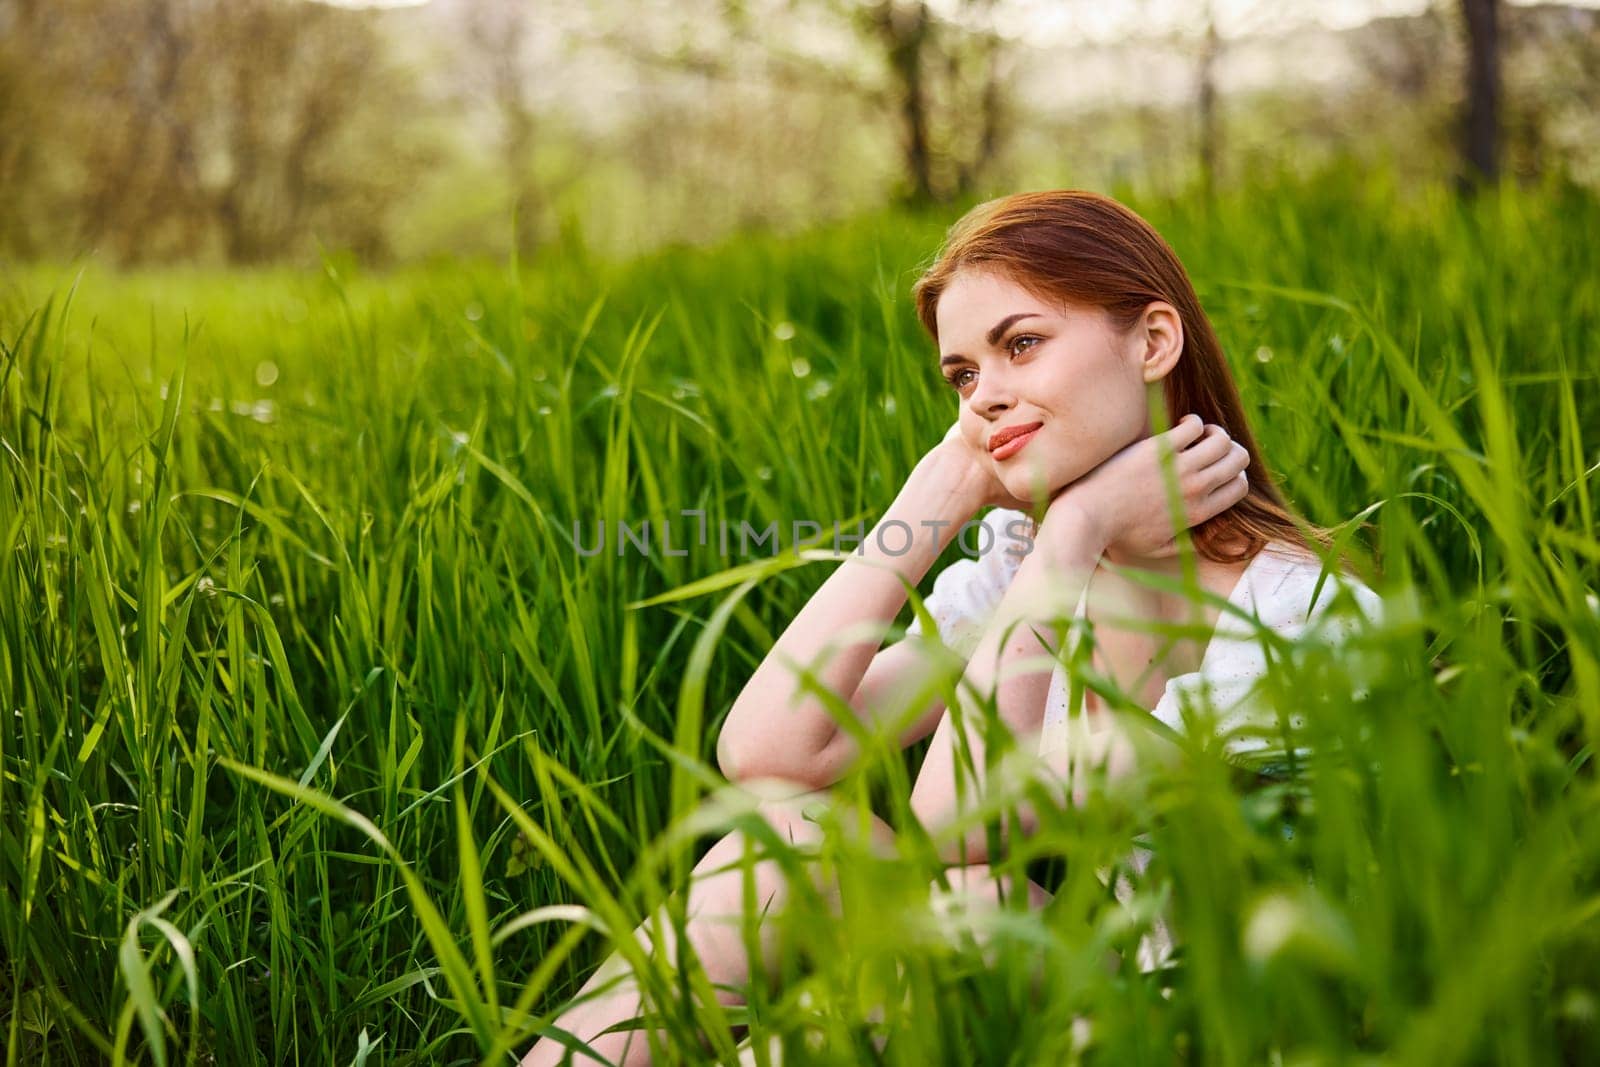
(1062, 321)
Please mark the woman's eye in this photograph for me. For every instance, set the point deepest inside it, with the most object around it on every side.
(957, 380)
(1011, 345)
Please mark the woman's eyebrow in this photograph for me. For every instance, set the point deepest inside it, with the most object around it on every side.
(993, 336)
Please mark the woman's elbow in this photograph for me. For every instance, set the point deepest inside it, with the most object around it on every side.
(742, 762)
(735, 756)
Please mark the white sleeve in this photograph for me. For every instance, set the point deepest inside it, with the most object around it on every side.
(1230, 690)
(966, 593)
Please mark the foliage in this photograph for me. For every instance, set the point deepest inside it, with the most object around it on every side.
(322, 741)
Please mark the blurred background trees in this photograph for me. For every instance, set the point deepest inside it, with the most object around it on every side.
(245, 131)
(233, 129)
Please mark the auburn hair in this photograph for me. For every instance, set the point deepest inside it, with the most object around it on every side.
(1078, 248)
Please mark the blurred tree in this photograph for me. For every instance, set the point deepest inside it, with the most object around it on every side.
(1403, 56)
(498, 34)
(258, 129)
(22, 102)
(1480, 122)
(242, 128)
(941, 79)
(1208, 44)
(1210, 124)
(949, 81)
(1550, 86)
(903, 31)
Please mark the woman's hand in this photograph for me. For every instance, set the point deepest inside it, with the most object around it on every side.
(977, 471)
(1124, 499)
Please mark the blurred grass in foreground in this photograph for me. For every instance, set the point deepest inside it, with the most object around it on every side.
(311, 704)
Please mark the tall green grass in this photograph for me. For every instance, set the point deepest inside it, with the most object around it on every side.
(322, 743)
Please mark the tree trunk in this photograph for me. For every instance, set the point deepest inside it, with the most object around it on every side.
(1210, 125)
(500, 29)
(1481, 123)
(903, 32)
(992, 112)
(526, 230)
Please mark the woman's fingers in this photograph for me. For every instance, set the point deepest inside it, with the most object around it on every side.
(1185, 432)
(1207, 449)
(1224, 496)
(1216, 473)
(1214, 458)
(1232, 463)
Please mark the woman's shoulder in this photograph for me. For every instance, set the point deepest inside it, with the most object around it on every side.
(967, 591)
(1295, 588)
(1291, 591)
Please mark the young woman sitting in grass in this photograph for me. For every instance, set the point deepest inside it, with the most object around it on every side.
(1062, 321)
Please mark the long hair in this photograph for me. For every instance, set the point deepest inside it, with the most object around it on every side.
(1080, 248)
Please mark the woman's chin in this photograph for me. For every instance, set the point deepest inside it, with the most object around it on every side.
(1029, 491)
(1025, 500)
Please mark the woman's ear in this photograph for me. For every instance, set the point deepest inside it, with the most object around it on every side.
(1158, 337)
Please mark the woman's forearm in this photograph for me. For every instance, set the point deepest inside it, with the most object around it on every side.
(774, 727)
(1014, 661)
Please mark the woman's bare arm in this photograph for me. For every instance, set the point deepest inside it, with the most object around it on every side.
(1014, 662)
(905, 668)
(774, 728)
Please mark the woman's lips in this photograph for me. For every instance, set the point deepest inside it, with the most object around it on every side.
(1013, 446)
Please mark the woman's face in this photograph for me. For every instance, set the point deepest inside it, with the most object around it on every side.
(1019, 361)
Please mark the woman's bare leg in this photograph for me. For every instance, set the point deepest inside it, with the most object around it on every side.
(714, 927)
(976, 890)
(978, 883)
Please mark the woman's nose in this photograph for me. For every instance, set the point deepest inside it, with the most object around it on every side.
(992, 395)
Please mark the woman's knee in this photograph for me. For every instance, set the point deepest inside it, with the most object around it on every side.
(973, 878)
(740, 885)
(978, 882)
(787, 819)
(763, 829)
(764, 853)
(752, 855)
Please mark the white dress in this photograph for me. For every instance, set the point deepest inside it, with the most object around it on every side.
(1276, 587)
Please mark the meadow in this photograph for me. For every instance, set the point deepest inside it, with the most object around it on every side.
(324, 744)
